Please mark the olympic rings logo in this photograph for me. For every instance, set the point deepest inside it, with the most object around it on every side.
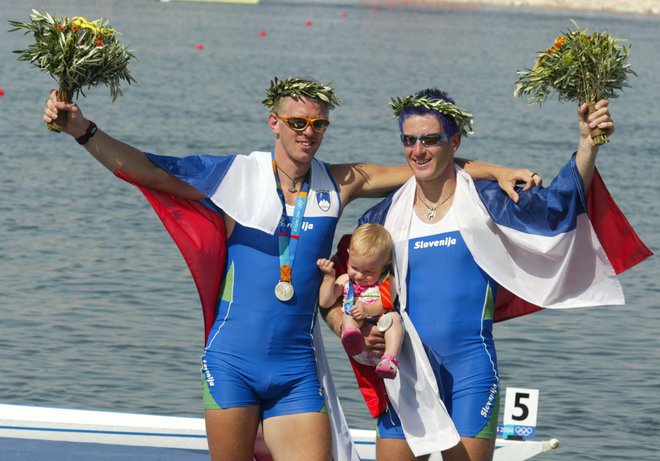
(523, 431)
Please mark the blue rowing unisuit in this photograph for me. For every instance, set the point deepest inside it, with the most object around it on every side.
(451, 302)
(259, 351)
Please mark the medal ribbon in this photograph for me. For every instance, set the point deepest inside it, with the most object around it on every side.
(350, 298)
(386, 293)
(288, 232)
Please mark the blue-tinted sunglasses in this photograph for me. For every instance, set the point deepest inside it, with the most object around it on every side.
(427, 139)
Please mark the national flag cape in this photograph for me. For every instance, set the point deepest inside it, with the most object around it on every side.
(200, 235)
(544, 245)
(243, 187)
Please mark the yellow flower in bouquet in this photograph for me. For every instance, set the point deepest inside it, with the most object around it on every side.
(95, 27)
(578, 67)
(77, 53)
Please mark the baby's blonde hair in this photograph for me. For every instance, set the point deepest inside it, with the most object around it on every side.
(372, 240)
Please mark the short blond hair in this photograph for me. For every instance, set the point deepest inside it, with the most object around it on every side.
(372, 240)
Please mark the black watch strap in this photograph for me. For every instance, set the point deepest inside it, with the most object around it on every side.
(91, 131)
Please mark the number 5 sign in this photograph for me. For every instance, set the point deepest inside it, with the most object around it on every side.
(521, 407)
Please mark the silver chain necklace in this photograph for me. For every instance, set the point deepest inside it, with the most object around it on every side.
(431, 209)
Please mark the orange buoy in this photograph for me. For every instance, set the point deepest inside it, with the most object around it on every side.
(2, 92)
(200, 46)
(262, 33)
(308, 23)
(344, 14)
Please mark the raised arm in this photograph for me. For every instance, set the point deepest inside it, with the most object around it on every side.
(117, 156)
(330, 289)
(585, 157)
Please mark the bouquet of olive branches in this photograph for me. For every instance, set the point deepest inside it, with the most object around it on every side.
(77, 53)
(578, 67)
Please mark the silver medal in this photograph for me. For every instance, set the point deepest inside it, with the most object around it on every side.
(284, 291)
(384, 323)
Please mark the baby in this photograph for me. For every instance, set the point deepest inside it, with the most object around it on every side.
(368, 290)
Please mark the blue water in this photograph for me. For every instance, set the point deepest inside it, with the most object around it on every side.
(97, 309)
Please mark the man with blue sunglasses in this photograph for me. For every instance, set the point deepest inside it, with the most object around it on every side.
(466, 256)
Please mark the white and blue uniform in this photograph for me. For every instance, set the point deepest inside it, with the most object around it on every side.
(455, 326)
(539, 250)
(259, 350)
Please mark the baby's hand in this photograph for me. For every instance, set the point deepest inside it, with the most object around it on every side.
(359, 311)
(326, 266)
